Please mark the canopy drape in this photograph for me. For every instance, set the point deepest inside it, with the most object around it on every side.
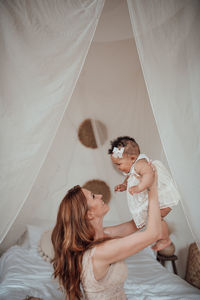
(168, 42)
(43, 46)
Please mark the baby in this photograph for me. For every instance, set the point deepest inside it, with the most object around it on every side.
(125, 154)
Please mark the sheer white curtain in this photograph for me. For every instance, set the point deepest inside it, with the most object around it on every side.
(43, 45)
(167, 35)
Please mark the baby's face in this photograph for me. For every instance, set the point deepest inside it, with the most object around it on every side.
(123, 164)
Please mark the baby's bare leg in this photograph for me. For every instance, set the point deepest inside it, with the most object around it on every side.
(164, 211)
(165, 240)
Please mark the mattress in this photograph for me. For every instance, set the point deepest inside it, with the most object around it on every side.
(23, 272)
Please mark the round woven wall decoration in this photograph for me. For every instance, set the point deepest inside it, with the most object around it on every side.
(98, 187)
(86, 133)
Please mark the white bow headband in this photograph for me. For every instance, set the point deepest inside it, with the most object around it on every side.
(118, 153)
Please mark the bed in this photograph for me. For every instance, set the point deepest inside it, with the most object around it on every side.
(23, 272)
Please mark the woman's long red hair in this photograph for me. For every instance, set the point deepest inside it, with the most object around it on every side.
(71, 237)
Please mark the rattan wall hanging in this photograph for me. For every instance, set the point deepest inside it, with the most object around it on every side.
(193, 266)
(98, 187)
(87, 131)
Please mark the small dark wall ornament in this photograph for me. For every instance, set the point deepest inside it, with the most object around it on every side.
(98, 187)
(87, 131)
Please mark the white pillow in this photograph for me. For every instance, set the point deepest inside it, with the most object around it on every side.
(34, 233)
(23, 240)
(45, 246)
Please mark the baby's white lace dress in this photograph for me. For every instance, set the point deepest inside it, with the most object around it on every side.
(168, 194)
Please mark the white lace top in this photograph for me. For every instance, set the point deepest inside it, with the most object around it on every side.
(168, 194)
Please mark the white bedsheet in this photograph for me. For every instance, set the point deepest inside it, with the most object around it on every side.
(23, 272)
(149, 280)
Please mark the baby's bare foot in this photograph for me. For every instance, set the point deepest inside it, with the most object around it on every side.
(161, 244)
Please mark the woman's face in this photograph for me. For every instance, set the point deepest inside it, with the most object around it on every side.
(95, 203)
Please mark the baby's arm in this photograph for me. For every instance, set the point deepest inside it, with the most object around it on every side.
(144, 169)
(121, 187)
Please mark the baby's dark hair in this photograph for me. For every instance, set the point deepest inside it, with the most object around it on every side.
(129, 144)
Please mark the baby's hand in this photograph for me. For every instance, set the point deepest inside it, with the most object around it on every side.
(120, 188)
(134, 189)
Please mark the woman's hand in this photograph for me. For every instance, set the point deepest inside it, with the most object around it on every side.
(140, 187)
(155, 179)
(135, 189)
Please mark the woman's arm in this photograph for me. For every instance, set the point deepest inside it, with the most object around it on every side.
(121, 230)
(121, 248)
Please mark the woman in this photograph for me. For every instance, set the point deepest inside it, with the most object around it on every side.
(89, 254)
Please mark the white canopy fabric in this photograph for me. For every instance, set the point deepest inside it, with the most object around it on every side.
(167, 35)
(43, 46)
